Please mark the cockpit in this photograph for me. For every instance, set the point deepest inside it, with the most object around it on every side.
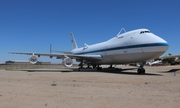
(144, 32)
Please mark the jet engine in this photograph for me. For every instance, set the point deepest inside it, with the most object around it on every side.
(67, 62)
(33, 59)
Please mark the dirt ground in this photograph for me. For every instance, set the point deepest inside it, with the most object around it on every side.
(58, 88)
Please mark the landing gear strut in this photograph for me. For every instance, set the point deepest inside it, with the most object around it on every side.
(80, 65)
(99, 68)
(110, 66)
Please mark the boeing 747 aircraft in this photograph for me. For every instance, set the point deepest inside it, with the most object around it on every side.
(136, 46)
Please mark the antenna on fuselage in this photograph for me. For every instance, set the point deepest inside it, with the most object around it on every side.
(121, 31)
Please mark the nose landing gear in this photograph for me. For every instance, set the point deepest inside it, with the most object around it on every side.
(141, 70)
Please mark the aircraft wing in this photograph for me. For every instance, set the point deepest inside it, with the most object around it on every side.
(60, 56)
(38, 54)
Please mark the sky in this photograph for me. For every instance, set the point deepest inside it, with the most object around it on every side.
(32, 25)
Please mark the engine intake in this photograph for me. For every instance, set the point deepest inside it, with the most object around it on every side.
(33, 59)
(68, 62)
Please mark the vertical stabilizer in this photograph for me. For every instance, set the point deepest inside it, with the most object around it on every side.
(73, 41)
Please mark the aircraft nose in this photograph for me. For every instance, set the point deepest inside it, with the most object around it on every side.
(164, 41)
(164, 44)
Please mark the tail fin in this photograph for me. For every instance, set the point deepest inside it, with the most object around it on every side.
(73, 41)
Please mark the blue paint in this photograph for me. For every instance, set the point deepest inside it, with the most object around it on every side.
(126, 47)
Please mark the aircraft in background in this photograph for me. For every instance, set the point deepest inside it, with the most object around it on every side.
(136, 46)
(177, 58)
(154, 62)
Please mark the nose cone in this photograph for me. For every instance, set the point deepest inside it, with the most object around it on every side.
(165, 45)
(158, 39)
(162, 45)
(162, 42)
(159, 45)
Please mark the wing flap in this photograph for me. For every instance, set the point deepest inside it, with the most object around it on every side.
(86, 57)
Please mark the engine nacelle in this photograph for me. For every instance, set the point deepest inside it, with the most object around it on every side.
(67, 62)
(33, 59)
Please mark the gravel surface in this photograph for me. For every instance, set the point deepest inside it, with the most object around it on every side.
(158, 88)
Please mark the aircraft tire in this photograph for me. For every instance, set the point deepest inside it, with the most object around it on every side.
(141, 71)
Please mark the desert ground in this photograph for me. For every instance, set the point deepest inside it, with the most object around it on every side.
(65, 88)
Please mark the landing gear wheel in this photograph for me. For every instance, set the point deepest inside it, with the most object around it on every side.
(141, 71)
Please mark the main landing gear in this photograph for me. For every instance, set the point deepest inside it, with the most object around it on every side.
(99, 68)
(141, 70)
(80, 66)
(89, 66)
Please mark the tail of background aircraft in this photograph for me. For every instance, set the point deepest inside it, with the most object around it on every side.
(73, 41)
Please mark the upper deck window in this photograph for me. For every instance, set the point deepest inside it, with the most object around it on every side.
(144, 32)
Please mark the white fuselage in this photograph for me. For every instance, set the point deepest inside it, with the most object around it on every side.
(130, 47)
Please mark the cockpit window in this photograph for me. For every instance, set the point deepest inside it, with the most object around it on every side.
(144, 32)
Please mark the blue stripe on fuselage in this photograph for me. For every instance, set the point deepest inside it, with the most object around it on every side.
(125, 47)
